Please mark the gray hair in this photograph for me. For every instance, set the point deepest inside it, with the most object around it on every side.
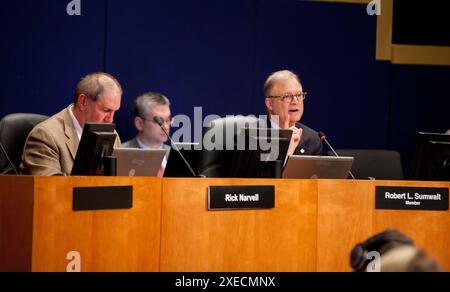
(93, 85)
(278, 76)
(147, 100)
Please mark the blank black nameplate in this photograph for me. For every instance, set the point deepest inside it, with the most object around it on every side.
(241, 197)
(102, 198)
(412, 198)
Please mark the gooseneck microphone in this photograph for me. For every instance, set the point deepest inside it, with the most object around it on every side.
(323, 137)
(9, 159)
(159, 121)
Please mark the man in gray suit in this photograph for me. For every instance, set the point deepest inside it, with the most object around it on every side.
(150, 135)
(284, 98)
(51, 146)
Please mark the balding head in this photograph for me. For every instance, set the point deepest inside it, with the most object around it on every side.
(97, 98)
(93, 85)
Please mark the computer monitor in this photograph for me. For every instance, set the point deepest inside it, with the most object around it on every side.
(176, 167)
(264, 154)
(248, 152)
(432, 162)
(97, 143)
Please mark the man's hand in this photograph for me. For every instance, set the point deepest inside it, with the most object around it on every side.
(284, 119)
(295, 139)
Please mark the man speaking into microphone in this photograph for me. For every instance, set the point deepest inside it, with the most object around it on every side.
(284, 99)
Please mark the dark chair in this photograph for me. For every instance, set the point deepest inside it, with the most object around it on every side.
(217, 163)
(374, 163)
(14, 130)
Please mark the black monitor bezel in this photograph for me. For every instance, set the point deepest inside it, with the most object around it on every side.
(428, 144)
(98, 132)
(247, 163)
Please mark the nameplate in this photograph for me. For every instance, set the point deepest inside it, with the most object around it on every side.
(241, 197)
(102, 198)
(411, 198)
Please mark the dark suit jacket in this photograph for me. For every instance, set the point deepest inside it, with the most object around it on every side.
(310, 143)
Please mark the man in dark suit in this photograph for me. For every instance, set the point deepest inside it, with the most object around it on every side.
(284, 98)
(150, 135)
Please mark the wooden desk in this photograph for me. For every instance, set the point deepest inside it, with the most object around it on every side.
(313, 227)
(281, 239)
(347, 215)
(39, 228)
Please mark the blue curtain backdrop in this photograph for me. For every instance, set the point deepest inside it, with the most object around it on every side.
(217, 54)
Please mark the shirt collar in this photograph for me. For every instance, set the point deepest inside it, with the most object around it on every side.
(76, 124)
(143, 146)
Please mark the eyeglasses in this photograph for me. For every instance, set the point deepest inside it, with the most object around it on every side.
(166, 121)
(288, 98)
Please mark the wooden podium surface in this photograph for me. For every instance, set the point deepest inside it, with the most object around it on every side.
(313, 227)
(347, 215)
(280, 239)
(39, 229)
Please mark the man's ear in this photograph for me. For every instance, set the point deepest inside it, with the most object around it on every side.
(82, 102)
(139, 123)
(269, 106)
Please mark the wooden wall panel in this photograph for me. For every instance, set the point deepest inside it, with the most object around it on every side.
(344, 218)
(313, 226)
(112, 240)
(428, 229)
(16, 223)
(281, 239)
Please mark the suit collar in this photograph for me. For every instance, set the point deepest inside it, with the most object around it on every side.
(71, 134)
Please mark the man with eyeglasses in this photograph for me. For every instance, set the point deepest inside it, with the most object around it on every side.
(284, 97)
(150, 135)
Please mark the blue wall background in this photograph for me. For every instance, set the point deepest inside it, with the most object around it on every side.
(217, 54)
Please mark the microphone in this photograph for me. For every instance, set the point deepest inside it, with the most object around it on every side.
(323, 137)
(159, 121)
(9, 160)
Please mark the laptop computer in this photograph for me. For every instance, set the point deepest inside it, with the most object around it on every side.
(138, 162)
(317, 167)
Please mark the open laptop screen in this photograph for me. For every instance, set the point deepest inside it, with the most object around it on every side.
(318, 167)
(138, 162)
